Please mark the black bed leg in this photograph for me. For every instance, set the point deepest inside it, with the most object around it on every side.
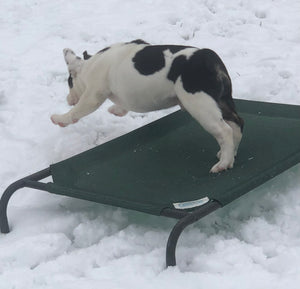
(182, 224)
(172, 241)
(4, 201)
(30, 181)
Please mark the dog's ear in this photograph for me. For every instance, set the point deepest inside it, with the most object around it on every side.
(73, 62)
(86, 56)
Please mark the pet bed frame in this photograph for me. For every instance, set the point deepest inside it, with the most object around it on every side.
(163, 168)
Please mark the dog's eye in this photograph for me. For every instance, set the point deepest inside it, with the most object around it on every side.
(70, 81)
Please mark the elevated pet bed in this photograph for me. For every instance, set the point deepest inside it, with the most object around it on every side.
(163, 167)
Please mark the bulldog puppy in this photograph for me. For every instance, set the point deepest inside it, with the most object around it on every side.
(140, 77)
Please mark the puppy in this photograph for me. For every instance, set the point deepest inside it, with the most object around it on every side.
(141, 77)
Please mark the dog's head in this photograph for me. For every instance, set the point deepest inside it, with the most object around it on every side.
(74, 64)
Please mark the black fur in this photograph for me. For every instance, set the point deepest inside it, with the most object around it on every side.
(70, 81)
(177, 65)
(200, 73)
(86, 56)
(205, 71)
(151, 59)
(138, 41)
(229, 112)
(104, 49)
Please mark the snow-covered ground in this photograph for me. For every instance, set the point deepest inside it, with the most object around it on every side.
(58, 242)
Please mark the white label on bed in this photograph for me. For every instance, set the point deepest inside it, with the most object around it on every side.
(191, 204)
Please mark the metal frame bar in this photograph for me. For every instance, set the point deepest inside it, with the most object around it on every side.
(185, 218)
(30, 182)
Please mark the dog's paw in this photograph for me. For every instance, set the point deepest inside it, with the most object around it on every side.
(117, 110)
(61, 120)
(221, 166)
(56, 120)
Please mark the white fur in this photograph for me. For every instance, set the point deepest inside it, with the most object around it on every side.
(111, 75)
(205, 110)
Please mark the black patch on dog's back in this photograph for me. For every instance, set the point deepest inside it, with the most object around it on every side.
(174, 48)
(205, 71)
(151, 59)
(201, 72)
(103, 50)
(176, 67)
(138, 41)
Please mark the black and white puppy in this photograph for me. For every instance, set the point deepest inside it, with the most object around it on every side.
(141, 77)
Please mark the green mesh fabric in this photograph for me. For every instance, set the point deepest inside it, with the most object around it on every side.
(168, 161)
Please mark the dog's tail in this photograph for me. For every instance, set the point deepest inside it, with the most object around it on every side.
(229, 113)
(226, 102)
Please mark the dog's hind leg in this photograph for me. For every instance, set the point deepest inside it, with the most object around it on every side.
(237, 135)
(233, 120)
(206, 111)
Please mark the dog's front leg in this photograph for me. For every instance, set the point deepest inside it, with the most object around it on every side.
(87, 104)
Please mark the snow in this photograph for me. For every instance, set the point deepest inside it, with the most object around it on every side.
(59, 242)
